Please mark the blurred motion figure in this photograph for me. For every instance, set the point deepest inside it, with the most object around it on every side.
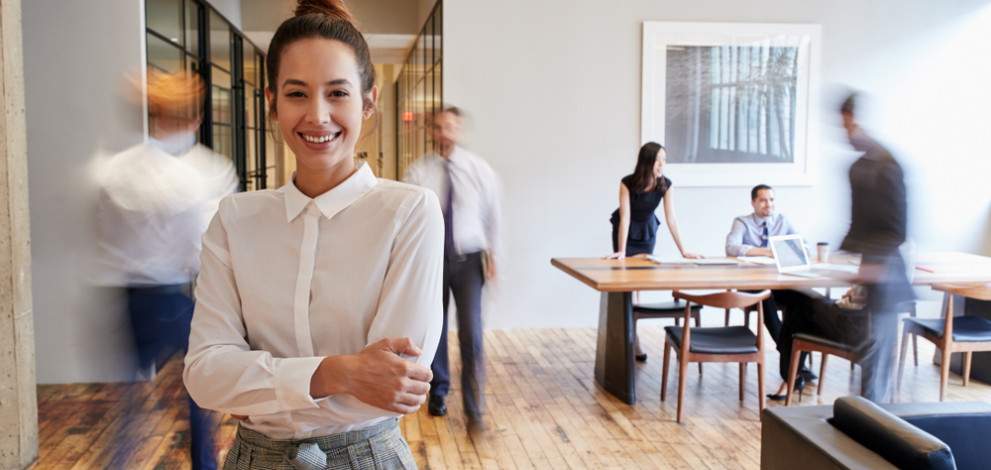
(469, 193)
(878, 221)
(155, 201)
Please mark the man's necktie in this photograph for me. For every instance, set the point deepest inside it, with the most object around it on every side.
(449, 212)
(763, 236)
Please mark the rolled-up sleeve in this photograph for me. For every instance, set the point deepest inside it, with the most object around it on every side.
(734, 241)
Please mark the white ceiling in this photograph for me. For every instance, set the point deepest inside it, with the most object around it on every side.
(390, 26)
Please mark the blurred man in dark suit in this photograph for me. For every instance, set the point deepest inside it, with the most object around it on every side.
(877, 229)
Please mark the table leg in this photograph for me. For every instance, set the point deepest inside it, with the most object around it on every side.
(614, 349)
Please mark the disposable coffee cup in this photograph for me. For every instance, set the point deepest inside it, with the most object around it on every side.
(822, 249)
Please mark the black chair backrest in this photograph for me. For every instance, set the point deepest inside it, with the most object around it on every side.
(965, 433)
(889, 436)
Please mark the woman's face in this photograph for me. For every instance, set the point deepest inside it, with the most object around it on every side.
(319, 105)
(662, 158)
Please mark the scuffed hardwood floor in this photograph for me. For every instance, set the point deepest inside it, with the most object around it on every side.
(544, 410)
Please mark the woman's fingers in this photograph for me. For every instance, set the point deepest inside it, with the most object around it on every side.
(421, 374)
(397, 345)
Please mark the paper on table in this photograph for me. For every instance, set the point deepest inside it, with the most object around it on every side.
(700, 261)
(756, 259)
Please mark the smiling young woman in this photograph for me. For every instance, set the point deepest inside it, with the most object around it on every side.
(319, 110)
(319, 304)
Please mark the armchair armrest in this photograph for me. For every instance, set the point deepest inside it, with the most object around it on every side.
(891, 437)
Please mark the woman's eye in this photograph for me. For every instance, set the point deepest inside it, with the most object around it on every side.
(295, 94)
(338, 94)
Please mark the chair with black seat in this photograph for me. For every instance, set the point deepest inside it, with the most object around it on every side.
(810, 343)
(670, 309)
(965, 333)
(805, 342)
(751, 309)
(716, 344)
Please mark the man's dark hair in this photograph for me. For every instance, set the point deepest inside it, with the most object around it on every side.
(757, 189)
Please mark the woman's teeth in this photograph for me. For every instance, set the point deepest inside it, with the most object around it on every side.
(317, 139)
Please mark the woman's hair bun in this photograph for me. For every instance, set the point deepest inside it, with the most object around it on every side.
(334, 9)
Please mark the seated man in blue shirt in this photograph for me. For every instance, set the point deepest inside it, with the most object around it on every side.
(750, 232)
(749, 237)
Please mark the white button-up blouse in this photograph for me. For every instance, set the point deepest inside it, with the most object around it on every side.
(287, 280)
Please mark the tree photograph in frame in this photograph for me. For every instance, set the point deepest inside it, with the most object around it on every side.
(730, 101)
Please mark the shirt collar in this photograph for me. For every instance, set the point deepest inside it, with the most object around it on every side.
(175, 144)
(456, 155)
(456, 158)
(759, 221)
(331, 202)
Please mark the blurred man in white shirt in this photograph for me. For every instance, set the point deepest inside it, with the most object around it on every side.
(469, 192)
(156, 200)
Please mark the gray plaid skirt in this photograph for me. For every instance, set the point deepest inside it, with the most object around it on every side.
(380, 447)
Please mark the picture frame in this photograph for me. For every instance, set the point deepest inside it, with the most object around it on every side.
(732, 102)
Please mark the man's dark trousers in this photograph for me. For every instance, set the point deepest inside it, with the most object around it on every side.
(464, 278)
(160, 318)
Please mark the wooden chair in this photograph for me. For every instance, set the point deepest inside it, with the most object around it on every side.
(966, 333)
(716, 344)
(909, 307)
(746, 315)
(804, 342)
(751, 309)
(670, 309)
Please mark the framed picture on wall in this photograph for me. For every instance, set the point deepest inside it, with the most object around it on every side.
(734, 104)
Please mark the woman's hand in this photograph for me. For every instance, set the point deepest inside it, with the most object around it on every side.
(616, 255)
(376, 375)
(691, 255)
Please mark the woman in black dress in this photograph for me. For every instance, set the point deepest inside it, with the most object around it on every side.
(634, 224)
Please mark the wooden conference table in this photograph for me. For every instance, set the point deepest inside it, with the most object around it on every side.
(617, 279)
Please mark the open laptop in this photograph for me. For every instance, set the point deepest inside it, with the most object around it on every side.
(792, 258)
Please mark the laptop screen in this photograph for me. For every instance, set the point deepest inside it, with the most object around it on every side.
(789, 252)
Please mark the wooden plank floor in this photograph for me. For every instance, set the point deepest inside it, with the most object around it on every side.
(544, 410)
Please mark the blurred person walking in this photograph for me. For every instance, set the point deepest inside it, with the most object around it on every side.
(469, 193)
(878, 221)
(156, 200)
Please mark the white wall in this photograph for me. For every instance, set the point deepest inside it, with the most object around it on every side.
(554, 88)
(74, 63)
(554, 91)
(74, 67)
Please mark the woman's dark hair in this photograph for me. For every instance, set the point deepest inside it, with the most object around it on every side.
(328, 19)
(643, 175)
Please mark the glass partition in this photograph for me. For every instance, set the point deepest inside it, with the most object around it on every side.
(191, 35)
(419, 92)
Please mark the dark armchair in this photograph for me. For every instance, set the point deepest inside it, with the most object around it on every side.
(856, 433)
